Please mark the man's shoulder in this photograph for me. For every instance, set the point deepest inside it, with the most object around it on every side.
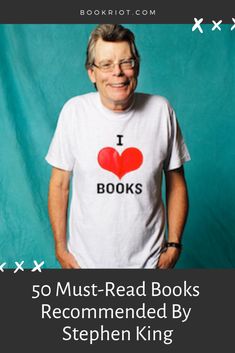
(79, 100)
(153, 99)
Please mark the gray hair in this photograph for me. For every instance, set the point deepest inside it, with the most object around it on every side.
(111, 33)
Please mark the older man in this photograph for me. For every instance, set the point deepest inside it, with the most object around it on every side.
(116, 144)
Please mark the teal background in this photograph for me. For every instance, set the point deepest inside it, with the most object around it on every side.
(42, 66)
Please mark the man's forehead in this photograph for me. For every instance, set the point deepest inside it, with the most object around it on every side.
(106, 49)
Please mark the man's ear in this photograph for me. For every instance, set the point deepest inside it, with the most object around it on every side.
(91, 75)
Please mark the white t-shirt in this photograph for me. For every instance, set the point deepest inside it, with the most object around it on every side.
(117, 217)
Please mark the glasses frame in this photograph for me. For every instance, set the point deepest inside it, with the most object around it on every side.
(112, 66)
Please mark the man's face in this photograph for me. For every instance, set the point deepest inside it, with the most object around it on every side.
(116, 88)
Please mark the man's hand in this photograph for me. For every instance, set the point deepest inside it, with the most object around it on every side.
(67, 260)
(168, 258)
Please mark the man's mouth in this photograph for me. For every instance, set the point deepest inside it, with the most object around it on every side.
(119, 85)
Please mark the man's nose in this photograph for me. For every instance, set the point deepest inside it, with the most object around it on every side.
(117, 71)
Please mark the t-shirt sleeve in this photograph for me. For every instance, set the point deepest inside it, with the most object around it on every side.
(177, 153)
(60, 153)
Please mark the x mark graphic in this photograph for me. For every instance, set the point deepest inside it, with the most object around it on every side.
(197, 25)
(232, 28)
(19, 266)
(37, 266)
(216, 25)
(1, 266)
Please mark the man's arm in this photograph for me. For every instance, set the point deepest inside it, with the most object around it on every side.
(177, 210)
(57, 207)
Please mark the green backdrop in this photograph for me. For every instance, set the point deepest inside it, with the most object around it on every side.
(41, 66)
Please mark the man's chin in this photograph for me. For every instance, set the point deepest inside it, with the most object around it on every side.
(122, 96)
(122, 100)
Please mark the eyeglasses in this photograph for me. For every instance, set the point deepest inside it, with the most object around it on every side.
(109, 66)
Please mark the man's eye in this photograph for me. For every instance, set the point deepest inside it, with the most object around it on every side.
(105, 65)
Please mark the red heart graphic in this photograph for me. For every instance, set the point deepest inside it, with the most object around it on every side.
(130, 159)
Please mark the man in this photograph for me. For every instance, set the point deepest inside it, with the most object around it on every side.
(116, 143)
